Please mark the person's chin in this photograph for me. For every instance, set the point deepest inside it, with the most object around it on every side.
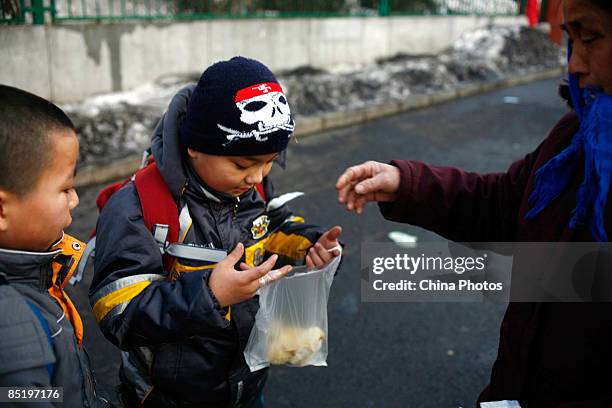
(588, 82)
(58, 239)
(239, 191)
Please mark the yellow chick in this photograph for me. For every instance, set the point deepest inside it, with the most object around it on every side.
(293, 345)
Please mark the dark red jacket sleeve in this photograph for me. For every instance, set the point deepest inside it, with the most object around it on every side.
(460, 205)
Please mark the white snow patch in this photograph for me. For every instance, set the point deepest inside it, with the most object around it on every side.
(485, 43)
(150, 94)
(403, 239)
(478, 6)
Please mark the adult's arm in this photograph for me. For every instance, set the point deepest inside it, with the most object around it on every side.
(467, 206)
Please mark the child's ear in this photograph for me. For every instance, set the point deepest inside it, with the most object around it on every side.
(193, 154)
(4, 196)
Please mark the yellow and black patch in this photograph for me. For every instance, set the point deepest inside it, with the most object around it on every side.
(260, 226)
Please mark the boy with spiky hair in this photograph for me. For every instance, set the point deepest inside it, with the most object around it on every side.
(41, 332)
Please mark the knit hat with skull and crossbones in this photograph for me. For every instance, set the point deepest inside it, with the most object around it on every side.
(237, 108)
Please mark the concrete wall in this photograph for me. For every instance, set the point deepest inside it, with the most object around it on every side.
(67, 63)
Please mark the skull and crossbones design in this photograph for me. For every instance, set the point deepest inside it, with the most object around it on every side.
(263, 105)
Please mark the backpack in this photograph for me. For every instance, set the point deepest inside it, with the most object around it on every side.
(161, 216)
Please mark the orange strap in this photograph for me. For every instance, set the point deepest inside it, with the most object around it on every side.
(64, 266)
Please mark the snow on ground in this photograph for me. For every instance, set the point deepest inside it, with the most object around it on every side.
(118, 124)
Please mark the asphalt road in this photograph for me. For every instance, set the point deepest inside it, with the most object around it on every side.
(385, 354)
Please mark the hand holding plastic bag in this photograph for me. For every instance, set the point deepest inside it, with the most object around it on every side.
(291, 325)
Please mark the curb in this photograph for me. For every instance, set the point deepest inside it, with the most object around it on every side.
(97, 174)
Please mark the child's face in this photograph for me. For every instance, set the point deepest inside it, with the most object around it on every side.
(36, 220)
(232, 175)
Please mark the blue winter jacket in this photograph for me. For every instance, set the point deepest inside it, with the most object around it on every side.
(179, 346)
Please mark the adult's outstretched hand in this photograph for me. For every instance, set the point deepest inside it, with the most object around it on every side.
(370, 181)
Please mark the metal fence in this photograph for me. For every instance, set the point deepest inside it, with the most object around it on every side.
(57, 11)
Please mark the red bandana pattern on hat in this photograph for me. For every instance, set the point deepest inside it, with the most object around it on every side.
(263, 105)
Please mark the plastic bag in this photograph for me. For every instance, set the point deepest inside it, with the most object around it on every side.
(291, 324)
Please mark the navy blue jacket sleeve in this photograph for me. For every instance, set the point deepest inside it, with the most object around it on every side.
(133, 301)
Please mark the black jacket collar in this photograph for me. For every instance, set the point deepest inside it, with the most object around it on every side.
(27, 267)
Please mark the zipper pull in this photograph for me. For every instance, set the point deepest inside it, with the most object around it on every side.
(236, 206)
(184, 188)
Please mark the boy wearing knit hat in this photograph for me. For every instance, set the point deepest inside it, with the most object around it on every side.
(183, 325)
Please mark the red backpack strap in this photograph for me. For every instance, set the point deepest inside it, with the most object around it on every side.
(158, 205)
(260, 189)
(106, 193)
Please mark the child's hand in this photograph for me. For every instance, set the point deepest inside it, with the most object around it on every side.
(231, 286)
(319, 254)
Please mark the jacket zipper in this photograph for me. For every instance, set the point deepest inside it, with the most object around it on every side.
(236, 207)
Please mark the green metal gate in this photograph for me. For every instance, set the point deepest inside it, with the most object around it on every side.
(57, 11)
